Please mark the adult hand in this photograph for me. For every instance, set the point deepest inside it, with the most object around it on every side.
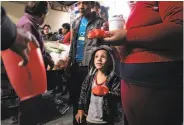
(79, 116)
(21, 46)
(116, 37)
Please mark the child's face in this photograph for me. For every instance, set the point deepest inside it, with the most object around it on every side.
(100, 59)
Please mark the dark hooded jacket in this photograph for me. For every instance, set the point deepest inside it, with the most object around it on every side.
(49, 37)
(113, 83)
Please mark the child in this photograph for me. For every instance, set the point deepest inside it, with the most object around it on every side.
(100, 91)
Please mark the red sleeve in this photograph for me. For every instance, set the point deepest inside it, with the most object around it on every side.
(66, 39)
(165, 35)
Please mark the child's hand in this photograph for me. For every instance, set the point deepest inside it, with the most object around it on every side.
(79, 116)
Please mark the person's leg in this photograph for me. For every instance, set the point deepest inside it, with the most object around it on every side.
(71, 81)
(78, 78)
(126, 99)
(29, 111)
(151, 106)
(125, 120)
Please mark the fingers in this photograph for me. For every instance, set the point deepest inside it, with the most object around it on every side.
(28, 49)
(21, 46)
(77, 117)
(110, 36)
(30, 38)
(34, 41)
(80, 119)
(109, 39)
(25, 58)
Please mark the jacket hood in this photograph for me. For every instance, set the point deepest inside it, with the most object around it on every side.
(92, 69)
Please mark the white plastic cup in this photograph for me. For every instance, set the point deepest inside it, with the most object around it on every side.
(116, 22)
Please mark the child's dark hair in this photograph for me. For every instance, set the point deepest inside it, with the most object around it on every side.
(37, 8)
(66, 26)
(60, 31)
(46, 25)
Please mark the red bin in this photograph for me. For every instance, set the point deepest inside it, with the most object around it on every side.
(30, 80)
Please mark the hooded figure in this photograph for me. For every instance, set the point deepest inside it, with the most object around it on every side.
(100, 107)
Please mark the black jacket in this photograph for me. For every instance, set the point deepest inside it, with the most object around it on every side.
(113, 83)
(49, 37)
(95, 22)
(8, 31)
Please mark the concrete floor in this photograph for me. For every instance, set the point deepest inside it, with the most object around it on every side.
(65, 119)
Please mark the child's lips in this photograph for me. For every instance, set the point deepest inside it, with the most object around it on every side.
(99, 64)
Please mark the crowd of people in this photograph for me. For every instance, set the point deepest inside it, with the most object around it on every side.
(150, 82)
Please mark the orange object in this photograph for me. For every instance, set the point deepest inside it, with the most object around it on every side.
(100, 90)
(30, 80)
(105, 89)
(97, 33)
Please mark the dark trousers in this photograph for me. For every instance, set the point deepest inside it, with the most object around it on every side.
(78, 74)
(152, 106)
(30, 111)
(54, 79)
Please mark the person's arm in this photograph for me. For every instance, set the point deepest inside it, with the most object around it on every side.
(8, 31)
(29, 28)
(115, 90)
(72, 39)
(83, 93)
(67, 38)
(165, 35)
(15, 38)
(72, 45)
